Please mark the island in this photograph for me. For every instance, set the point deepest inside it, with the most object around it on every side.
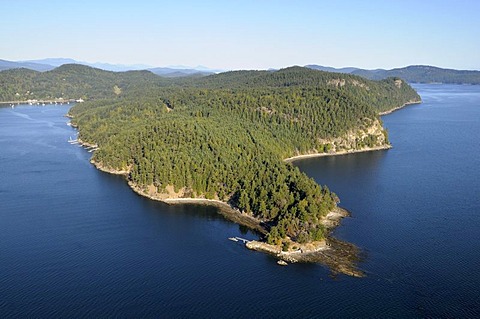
(228, 140)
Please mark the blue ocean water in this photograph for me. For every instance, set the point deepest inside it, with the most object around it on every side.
(77, 242)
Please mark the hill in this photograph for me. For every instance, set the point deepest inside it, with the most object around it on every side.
(70, 81)
(49, 64)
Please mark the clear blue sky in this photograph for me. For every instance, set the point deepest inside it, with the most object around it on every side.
(245, 34)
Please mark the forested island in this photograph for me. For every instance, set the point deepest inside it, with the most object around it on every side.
(224, 138)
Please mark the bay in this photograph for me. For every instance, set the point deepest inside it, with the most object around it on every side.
(77, 242)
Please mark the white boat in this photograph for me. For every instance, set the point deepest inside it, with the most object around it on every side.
(282, 262)
(233, 239)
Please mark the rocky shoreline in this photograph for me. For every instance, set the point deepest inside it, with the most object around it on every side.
(339, 256)
(224, 208)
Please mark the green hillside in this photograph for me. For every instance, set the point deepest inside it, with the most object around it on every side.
(71, 81)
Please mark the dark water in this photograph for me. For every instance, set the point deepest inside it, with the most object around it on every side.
(76, 242)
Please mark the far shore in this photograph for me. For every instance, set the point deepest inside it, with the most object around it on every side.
(41, 101)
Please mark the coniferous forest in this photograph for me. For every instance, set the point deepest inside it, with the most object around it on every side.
(223, 136)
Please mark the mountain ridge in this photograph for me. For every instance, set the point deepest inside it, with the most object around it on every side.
(412, 74)
(48, 64)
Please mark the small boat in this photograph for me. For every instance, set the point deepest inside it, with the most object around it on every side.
(282, 262)
(233, 239)
(72, 141)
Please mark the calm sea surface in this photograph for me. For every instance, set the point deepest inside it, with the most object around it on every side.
(76, 242)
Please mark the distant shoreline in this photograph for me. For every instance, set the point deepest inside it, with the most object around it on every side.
(40, 102)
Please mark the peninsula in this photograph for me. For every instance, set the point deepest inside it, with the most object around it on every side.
(223, 140)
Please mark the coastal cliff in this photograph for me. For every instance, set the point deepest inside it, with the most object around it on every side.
(371, 136)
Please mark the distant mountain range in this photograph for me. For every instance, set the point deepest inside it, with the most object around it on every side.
(412, 74)
(51, 63)
(330, 69)
(7, 65)
(173, 72)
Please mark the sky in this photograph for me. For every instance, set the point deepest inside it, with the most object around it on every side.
(245, 34)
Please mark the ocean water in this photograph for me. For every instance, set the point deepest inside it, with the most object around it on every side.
(77, 242)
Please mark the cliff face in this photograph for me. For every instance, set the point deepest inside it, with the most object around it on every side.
(369, 136)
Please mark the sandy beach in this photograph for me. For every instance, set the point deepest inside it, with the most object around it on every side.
(366, 149)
